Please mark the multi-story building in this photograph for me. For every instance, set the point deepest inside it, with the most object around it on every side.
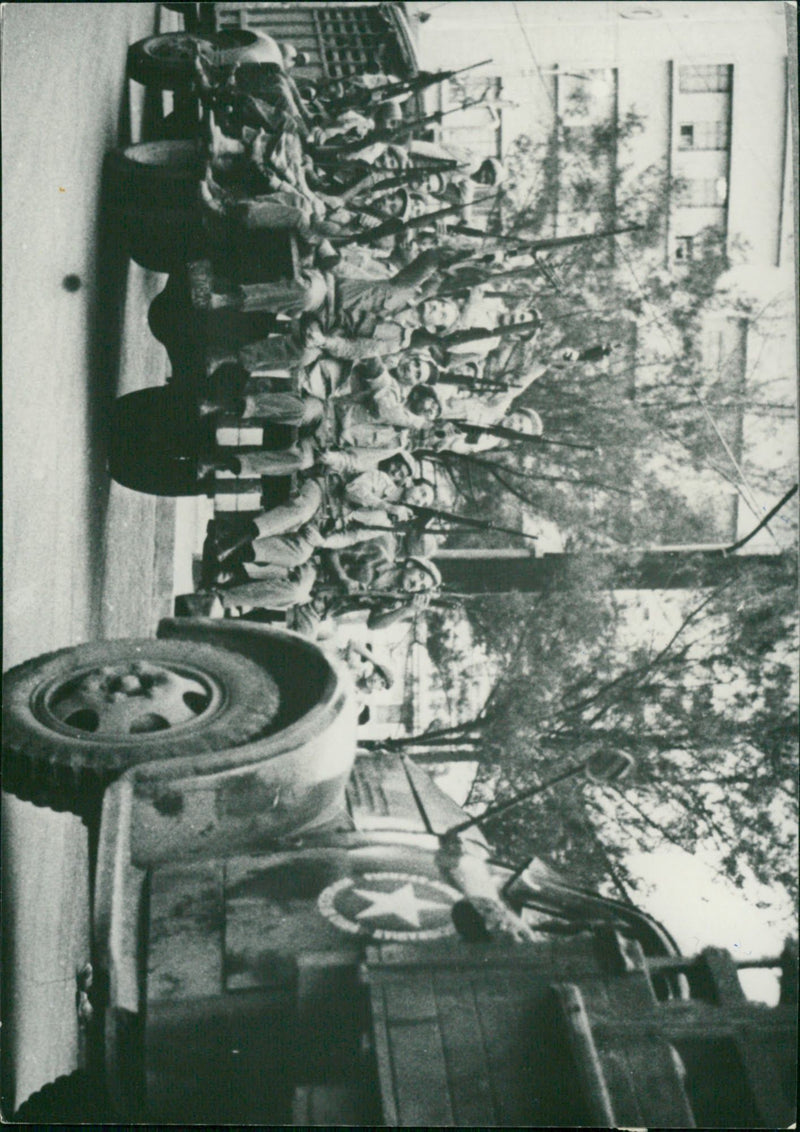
(709, 81)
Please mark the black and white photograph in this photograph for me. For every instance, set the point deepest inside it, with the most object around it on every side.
(400, 545)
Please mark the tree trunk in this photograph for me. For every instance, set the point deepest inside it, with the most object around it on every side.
(616, 736)
(444, 753)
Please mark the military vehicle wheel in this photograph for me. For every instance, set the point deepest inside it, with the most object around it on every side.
(71, 1099)
(154, 443)
(75, 719)
(170, 314)
(154, 174)
(165, 62)
(159, 239)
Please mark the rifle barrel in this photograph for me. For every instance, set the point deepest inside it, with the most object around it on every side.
(465, 520)
(394, 226)
(481, 233)
(581, 238)
(471, 67)
(461, 336)
(426, 79)
(472, 383)
(511, 434)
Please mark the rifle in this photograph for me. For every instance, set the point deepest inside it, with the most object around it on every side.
(479, 384)
(425, 514)
(394, 226)
(511, 434)
(517, 296)
(419, 82)
(392, 132)
(479, 277)
(482, 234)
(407, 177)
(416, 123)
(422, 337)
(368, 185)
(547, 242)
(531, 249)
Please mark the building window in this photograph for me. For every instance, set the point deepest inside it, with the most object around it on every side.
(345, 38)
(705, 192)
(683, 249)
(694, 79)
(703, 135)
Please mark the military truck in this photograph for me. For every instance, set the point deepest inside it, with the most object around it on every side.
(271, 951)
(284, 935)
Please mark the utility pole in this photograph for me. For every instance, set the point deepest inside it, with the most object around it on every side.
(502, 571)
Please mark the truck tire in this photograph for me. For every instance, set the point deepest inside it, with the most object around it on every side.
(159, 239)
(153, 443)
(154, 174)
(165, 317)
(164, 62)
(75, 719)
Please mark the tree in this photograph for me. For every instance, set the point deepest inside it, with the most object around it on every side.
(710, 717)
(654, 410)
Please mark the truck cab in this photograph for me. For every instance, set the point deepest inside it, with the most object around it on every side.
(381, 970)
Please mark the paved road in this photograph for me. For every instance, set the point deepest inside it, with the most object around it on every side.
(83, 557)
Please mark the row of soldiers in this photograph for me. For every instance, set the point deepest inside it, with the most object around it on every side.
(402, 329)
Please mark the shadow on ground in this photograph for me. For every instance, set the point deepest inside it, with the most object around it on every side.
(106, 325)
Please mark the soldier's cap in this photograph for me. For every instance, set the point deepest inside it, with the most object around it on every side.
(366, 653)
(533, 417)
(389, 111)
(368, 368)
(430, 568)
(423, 392)
(423, 201)
(405, 212)
(435, 181)
(459, 299)
(400, 153)
(490, 171)
(407, 459)
(424, 355)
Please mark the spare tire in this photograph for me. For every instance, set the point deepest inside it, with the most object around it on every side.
(164, 62)
(159, 239)
(75, 719)
(72, 1099)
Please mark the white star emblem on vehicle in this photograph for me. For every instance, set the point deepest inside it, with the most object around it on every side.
(403, 903)
(392, 907)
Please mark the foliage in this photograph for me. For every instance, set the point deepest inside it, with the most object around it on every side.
(710, 718)
(655, 404)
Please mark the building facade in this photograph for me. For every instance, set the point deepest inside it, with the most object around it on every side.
(709, 82)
